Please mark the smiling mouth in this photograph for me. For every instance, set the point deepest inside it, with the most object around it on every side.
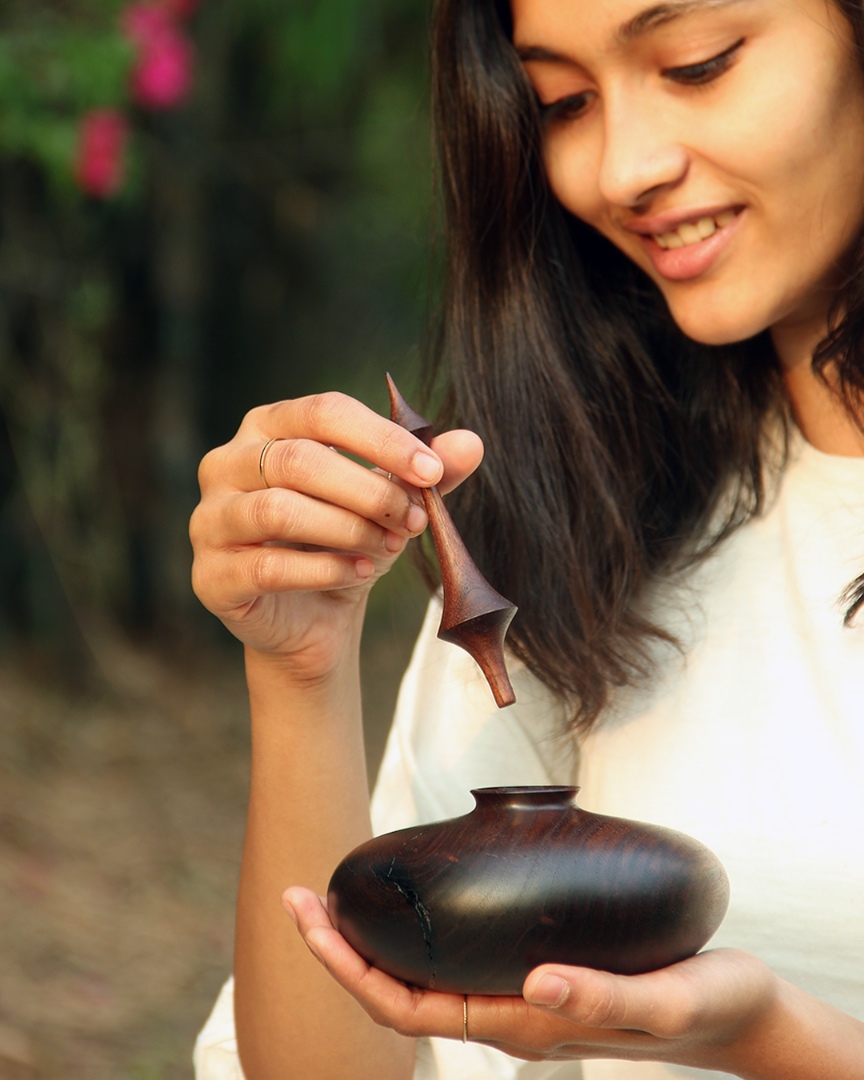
(694, 232)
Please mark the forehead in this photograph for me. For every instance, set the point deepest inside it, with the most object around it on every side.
(620, 21)
(660, 14)
(635, 17)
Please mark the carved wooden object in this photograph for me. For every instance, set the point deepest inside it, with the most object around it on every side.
(473, 904)
(475, 616)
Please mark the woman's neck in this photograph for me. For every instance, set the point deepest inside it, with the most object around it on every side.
(821, 415)
(819, 412)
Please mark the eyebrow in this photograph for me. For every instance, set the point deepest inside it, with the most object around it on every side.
(640, 25)
(660, 14)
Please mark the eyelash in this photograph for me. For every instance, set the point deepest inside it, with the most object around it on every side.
(690, 74)
(707, 71)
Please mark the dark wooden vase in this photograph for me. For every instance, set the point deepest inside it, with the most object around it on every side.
(471, 905)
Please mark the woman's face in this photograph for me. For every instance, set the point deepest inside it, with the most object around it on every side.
(718, 143)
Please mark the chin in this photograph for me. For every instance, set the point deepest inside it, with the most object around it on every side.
(716, 331)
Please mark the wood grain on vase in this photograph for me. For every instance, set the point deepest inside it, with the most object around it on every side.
(471, 905)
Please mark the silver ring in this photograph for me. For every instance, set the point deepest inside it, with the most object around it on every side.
(464, 1018)
(262, 458)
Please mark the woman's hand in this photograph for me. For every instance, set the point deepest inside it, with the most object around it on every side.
(287, 547)
(702, 1012)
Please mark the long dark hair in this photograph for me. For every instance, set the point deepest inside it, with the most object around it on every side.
(618, 450)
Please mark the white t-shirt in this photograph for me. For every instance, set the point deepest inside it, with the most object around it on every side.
(750, 739)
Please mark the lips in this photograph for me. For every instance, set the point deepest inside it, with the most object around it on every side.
(684, 244)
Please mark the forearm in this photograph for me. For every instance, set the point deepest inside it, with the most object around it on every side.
(801, 1038)
(289, 537)
(308, 807)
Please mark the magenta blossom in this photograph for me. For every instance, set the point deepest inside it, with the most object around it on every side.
(100, 160)
(161, 76)
(182, 9)
(145, 22)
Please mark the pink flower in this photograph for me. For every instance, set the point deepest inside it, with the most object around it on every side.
(162, 77)
(162, 73)
(144, 22)
(182, 9)
(100, 159)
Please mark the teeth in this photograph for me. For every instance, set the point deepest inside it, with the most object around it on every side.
(706, 228)
(690, 233)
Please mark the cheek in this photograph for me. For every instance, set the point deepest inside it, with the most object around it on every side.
(806, 143)
(572, 178)
(814, 185)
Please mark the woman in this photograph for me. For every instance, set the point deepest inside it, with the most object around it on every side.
(654, 320)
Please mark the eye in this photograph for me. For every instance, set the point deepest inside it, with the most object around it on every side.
(707, 70)
(566, 108)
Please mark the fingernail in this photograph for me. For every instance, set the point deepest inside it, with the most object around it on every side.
(415, 520)
(426, 466)
(393, 543)
(289, 911)
(364, 568)
(549, 992)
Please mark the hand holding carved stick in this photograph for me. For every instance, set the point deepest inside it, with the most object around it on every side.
(475, 616)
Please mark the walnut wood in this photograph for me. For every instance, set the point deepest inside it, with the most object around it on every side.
(475, 616)
(473, 904)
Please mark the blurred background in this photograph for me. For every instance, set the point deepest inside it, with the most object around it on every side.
(204, 205)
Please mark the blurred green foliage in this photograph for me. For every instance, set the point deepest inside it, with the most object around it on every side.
(273, 243)
(56, 62)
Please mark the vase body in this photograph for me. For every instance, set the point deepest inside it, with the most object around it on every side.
(473, 904)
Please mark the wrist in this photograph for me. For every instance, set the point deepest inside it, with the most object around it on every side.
(321, 664)
(269, 674)
(798, 1037)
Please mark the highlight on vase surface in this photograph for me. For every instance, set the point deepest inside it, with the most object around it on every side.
(473, 904)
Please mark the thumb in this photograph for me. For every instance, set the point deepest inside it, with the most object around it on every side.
(712, 993)
(461, 452)
(591, 998)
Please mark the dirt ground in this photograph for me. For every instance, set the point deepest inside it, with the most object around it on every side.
(121, 820)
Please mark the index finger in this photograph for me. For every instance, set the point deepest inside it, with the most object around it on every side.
(340, 421)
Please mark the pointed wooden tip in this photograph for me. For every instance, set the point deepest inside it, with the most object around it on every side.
(482, 637)
(402, 414)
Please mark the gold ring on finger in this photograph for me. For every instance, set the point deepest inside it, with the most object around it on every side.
(464, 1018)
(263, 458)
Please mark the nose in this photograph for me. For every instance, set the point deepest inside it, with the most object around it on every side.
(642, 155)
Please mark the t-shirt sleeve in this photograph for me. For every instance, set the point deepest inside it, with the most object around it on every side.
(215, 1055)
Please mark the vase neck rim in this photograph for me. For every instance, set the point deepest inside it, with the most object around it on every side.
(526, 798)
